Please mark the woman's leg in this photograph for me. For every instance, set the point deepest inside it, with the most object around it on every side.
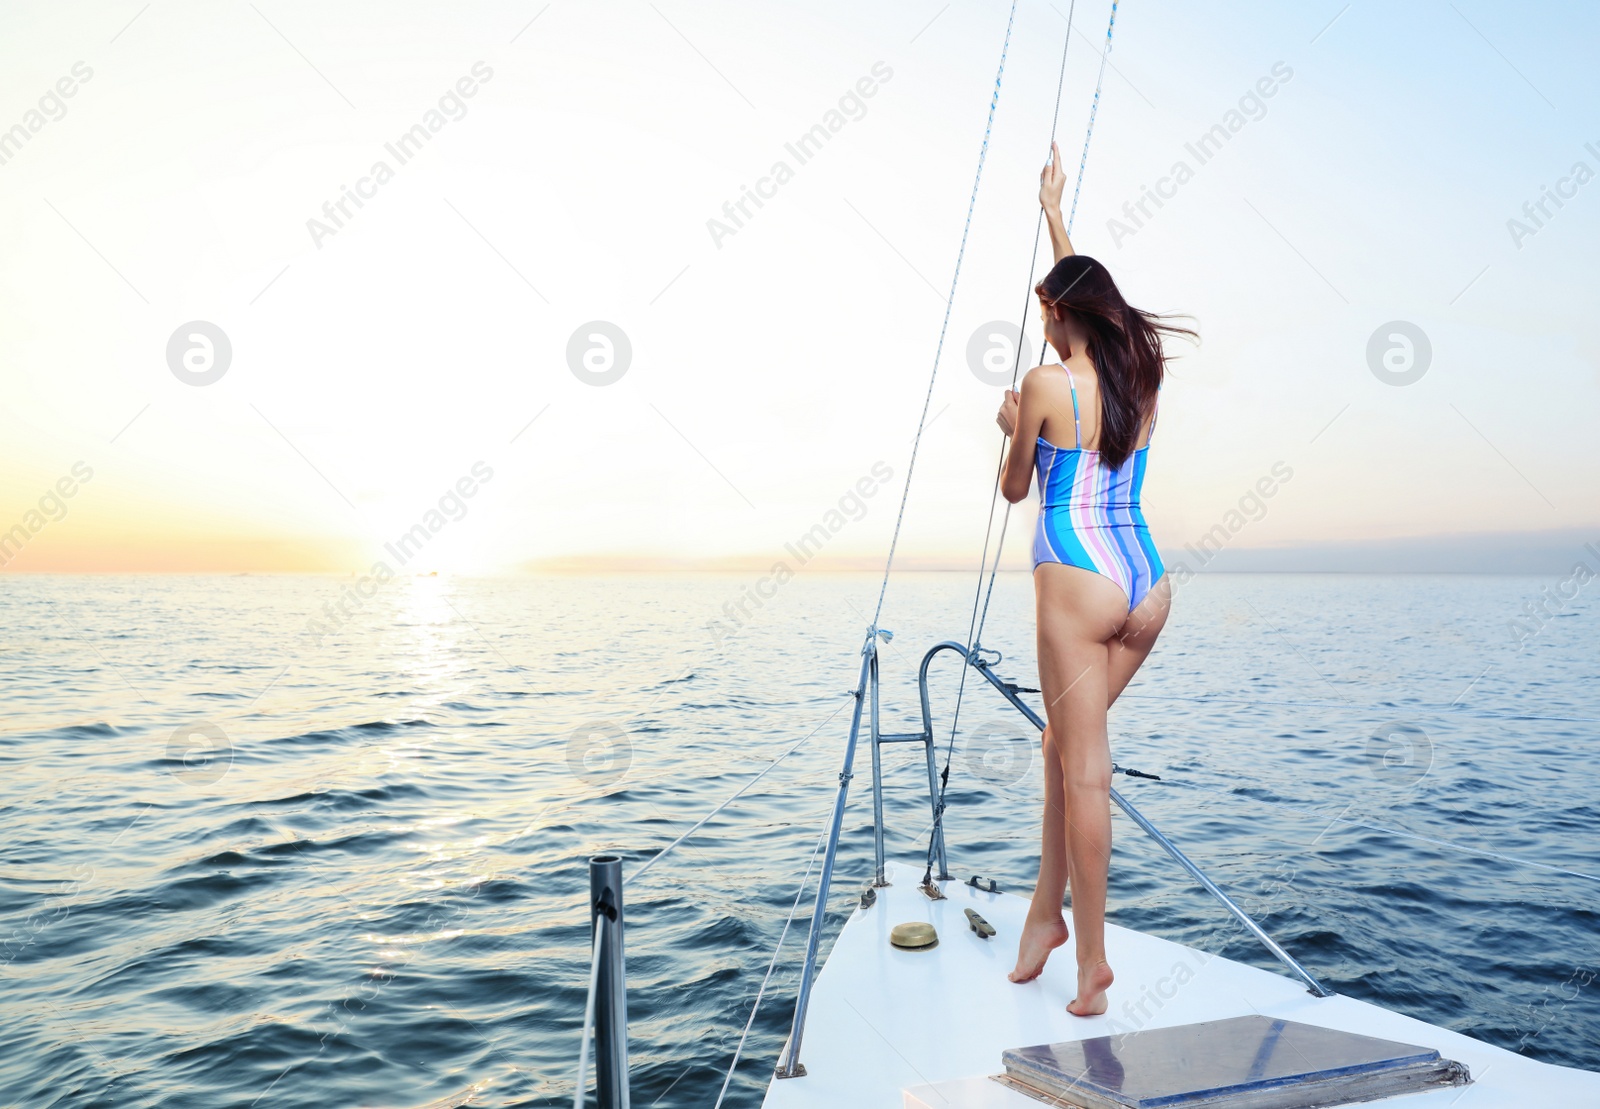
(1046, 929)
(1132, 644)
(1079, 613)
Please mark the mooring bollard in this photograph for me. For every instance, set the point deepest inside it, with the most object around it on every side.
(611, 992)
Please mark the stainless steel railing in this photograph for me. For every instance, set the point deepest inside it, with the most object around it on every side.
(606, 1007)
(866, 694)
(789, 1064)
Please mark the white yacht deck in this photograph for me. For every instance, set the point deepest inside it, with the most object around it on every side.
(883, 1020)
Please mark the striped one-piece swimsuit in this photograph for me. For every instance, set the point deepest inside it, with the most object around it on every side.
(1089, 514)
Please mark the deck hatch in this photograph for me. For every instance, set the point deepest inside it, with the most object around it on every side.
(1251, 1062)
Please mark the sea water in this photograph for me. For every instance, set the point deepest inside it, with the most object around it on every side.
(276, 841)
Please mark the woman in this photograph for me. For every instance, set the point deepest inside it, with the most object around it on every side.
(1101, 590)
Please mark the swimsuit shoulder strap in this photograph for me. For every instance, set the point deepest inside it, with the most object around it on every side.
(1154, 416)
(1077, 427)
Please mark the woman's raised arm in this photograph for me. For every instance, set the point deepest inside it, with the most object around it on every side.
(1052, 182)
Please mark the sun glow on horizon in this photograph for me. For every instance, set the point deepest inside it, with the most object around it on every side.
(442, 339)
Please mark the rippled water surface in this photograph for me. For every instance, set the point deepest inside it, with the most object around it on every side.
(269, 842)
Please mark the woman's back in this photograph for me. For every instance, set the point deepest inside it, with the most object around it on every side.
(1071, 392)
(1089, 512)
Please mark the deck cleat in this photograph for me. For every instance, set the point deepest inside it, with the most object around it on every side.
(984, 929)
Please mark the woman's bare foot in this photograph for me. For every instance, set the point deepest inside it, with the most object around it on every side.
(1093, 982)
(1039, 938)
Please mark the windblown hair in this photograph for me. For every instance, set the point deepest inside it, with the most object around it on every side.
(1124, 343)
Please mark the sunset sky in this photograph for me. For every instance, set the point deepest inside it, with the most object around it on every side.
(380, 354)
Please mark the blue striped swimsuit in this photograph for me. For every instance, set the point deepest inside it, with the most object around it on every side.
(1089, 514)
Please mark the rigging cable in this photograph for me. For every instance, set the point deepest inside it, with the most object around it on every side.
(669, 848)
(1094, 108)
(905, 492)
(755, 1008)
(975, 625)
(580, 1096)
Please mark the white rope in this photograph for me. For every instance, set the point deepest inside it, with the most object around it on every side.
(1420, 708)
(762, 991)
(659, 855)
(1083, 162)
(949, 304)
(588, 1019)
(1094, 108)
(974, 639)
(1398, 833)
(975, 624)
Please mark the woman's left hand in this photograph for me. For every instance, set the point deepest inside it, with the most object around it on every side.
(1007, 416)
(1052, 181)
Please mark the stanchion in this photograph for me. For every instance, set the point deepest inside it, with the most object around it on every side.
(611, 993)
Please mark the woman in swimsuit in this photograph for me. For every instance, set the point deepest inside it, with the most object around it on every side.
(1084, 424)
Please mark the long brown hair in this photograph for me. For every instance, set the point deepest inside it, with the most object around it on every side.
(1124, 342)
